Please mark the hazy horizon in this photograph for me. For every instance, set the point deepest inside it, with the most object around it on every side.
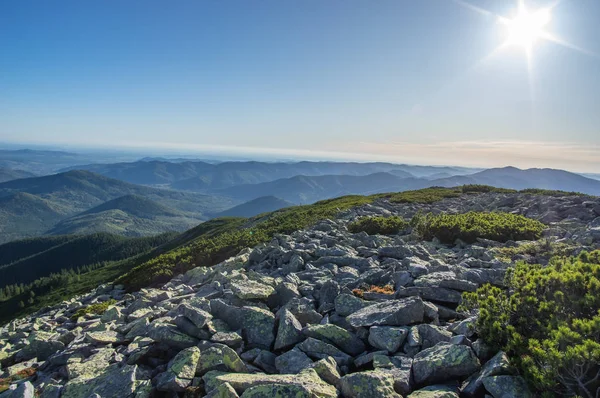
(130, 154)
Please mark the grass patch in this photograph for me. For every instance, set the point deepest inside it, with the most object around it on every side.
(548, 321)
(541, 248)
(387, 289)
(469, 226)
(427, 195)
(378, 225)
(95, 309)
(20, 375)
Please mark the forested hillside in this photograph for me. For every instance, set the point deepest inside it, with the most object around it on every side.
(34, 206)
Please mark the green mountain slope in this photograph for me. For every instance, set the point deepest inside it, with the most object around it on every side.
(136, 205)
(308, 189)
(7, 174)
(40, 257)
(514, 178)
(24, 215)
(32, 206)
(256, 206)
(130, 215)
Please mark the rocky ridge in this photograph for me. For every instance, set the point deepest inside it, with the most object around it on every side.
(296, 317)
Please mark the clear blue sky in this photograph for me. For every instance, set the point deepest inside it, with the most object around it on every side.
(391, 79)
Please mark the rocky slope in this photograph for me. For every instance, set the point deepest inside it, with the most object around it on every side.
(285, 318)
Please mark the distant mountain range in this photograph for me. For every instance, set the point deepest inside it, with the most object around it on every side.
(256, 206)
(306, 189)
(7, 174)
(204, 176)
(33, 206)
(512, 177)
(130, 215)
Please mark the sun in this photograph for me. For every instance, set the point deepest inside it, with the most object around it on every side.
(527, 27)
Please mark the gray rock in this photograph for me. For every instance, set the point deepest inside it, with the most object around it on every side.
(292, 362)
(284, 293)
(432, 335)
(51, 390)
(328, 292)
(266, 361)
(304, 311)
(289, 332)
(197, 316)
(444, 362)
(90, 367)
(295, 264)
(23, 390)
(368, 385)
(397, 252)
(180, 371)
(113, 382)
(465, 327)
(402, 278)
(112, 314)
(498, 365)
(319, 349)
(388, 338)
(230, 339)
(41, 346)
(328, 370)
(506, 386)
(249, 289)
(171, 336)
(393, 313)
(223, 390)
(346, 304)
(277, 390)
(438, 294)
(105, 337)
(257, 324)
(220, 357)
(337, 336)
(400, 368)
(435, 391)
(186, 326)
(308, 379)
(367, 358)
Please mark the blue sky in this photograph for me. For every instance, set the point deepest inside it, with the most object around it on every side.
(400, 80)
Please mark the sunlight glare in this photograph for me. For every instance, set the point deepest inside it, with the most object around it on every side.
(527, 27)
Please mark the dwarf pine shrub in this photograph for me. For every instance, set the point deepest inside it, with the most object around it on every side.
(378, 225)
(548, 321)
(469, 226)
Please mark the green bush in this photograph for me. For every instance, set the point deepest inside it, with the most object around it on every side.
(548, 321)
(542, 248)
(426, 195)
(468, 227)
(549, 192)
(476, 188)
(378, 225)
(96, 309)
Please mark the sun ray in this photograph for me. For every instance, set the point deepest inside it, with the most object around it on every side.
(557, 40)
(475, 8)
